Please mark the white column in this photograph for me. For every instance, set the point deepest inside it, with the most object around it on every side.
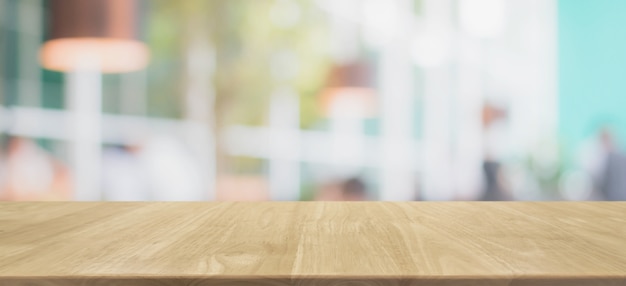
(199, 112)
(534, 113)
(437, 170)
(284, 164)
(84, 95)
(397, 93)
(468, 149)
(547, 61)
(347, 135)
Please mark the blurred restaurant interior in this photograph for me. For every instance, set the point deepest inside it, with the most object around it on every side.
(288, 100)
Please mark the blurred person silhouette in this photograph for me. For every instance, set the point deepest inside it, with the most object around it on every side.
(352, 189)
(123, 177)
(493, 179)
(30, 173)
(607, 165)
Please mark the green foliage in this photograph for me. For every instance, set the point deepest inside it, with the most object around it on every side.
(245, 39)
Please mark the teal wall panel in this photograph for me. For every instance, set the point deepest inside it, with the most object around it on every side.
(592, 68)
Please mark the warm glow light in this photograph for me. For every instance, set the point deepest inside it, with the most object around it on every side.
(358, 102)
(107, 55)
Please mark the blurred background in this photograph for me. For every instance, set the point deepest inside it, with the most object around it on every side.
(312, 100)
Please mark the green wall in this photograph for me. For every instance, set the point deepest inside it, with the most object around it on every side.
(592, 68)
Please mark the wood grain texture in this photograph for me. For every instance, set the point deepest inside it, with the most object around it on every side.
(307, 243)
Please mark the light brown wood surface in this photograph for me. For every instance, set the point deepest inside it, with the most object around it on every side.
(307, 243)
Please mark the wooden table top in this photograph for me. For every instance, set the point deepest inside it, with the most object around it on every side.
(313, 243)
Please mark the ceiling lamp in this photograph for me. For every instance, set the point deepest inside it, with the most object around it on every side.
(100, 35)
(350, 92)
